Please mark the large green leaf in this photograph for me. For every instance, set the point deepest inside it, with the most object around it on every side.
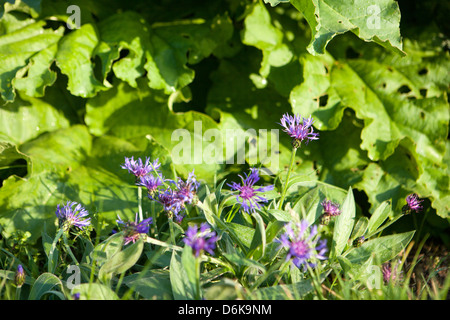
(370, 20)
(28, 45)
(75, 51)
(154, 284)
(130, 113)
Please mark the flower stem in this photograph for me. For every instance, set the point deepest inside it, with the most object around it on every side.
(172, 235)
(291, 164)
(198, 295)
(140, 203)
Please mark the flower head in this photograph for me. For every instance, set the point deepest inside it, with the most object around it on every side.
(133, 229)
(248, 196)
(171, 203)
(186, 190)
(412, 204)
(299, 129)
(330, 208)
(19, 277)
(201, 240)
(72, 214)
(138, 168)
(151, 183)
(304, 246)
(391, 272)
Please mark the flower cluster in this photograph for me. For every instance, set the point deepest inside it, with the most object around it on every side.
(304, 247)
(72, 214)
(299, 129)
(132, 230)
(175, 195)
(201, 240)
(249, 197)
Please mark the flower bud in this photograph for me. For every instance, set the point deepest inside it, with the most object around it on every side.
(359, 241)
(19, 278)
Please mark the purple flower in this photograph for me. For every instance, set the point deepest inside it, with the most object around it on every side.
(72, 214)
(186, 190)
(171, 203)
(248, 196)
(299, 129)
(201, 240)
(412, 204)
(151, 183)
(304, 247)
(330, 208)
(391, 274)
(138, 168)
(132, 229)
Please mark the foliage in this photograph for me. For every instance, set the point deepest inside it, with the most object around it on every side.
(77, 99)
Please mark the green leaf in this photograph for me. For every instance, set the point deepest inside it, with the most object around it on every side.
(360, 228)
(383, 248)
(94, 291)
(122, 260)
(106, 249)
(25, 46)
(259, 241)
(181, 287)
(75, 51)
(343, 225)
(259, 32)
(153, 285)
(124, 112)
(26, 118)
(43, 285)
(370, 20)
(381, 213)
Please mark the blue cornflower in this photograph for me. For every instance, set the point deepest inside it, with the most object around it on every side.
(151, 183)
(248, 196)
(412, 204)
(171, 203)
(138, 168)
(304, 248)
(186, 190)
(300, 130)
(201, 240)
(133, 229)
(72, 214)
(330, 208)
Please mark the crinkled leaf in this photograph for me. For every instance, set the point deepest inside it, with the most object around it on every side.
(372, 20)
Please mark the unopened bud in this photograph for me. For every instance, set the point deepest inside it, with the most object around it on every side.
(20, 276)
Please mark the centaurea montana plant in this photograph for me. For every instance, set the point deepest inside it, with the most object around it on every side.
(300, 130)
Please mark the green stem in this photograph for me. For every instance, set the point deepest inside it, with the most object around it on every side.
(18, 293)
(316, 283)
(140, 203)
(198, 295)
(69, 251)
(291, 164)
(172, 234)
